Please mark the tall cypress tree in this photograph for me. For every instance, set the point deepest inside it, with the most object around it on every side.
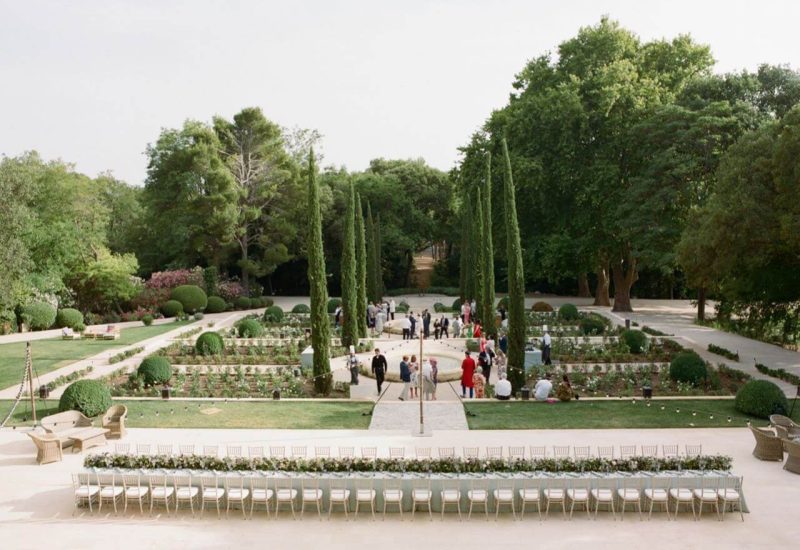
(378, 258)
(361, 270)
(372, 277)
(487, 313)
(469, 248)
(477, 267)
(349, 291)
(317, 282)
(516, 282)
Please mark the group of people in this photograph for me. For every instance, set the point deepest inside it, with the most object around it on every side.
(416, 377)
(475, 377)
(377, 314)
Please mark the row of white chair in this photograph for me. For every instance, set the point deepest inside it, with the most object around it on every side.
(248, 493)
(491, 452)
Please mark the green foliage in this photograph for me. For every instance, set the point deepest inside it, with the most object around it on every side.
(541, 307)
(473, 345)
(155, 370)
(69, 317)
(301, 308)
(215, 305)
(361, 269)
(209, 343)
(592, 325)
(40, 315)
(147, 320)
(211, 280)
(457, 304)
(172, 308)
(250, 328)
(91, 397)
(503, 302)
(636, 340)
(781, 374)
(761, 398)
(192, 297)
(439, 307)
(243, 302)
(333, 303)
(719, 350)
(402, 307)
(265, 301)
(568, 312)
(488, 293)
(351, 315)
(273, 314)
(688, 367)
(106, 282)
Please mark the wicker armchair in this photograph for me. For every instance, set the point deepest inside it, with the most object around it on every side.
(768, 445)
(114, 420)
(784, 426)
(792, 449)
(48, 447)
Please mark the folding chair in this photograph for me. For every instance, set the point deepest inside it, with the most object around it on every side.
(397, 452)
(277, 451)
(669, 451)
(581, 453)
(602, 494)
(211, 450)
(370, 453)
(650, 450)
(423, 452)
(322, 452)
(478, 493)
(694, 450)
(555, 495)
(627, 451)
(255, 452)
(680, 495)
(233, 451)
(164, 449)
(122, 448)
(346, 452)
(186, 449)
(606, 451)
(142, 449)
(299, 451)
(538, 452)
(494, 452)
(707, 494)
(160, 492)
(516, 453)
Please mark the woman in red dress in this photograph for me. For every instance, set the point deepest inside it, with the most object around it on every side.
(467, 370)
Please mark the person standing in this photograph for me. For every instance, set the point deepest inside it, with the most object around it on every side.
(392, 308)
(405, 324)
(372, 311)
(405, 378)
(546, 342)
(426, 324)
(476, 329)
(456, 327)
(437, 329)
(503, 344)
(352, 362)
(467, 312)
(379, 367)
(337, 316)
(413, 326)
(479, 381)
(428, 389)
(413, 367)
(435, 375)
(445, 323)
(467, 370)
(464, 307)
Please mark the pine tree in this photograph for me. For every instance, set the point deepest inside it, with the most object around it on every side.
(349, 291)
(487, 313)
(516, 282)
(361, 270)
(317, 282)
(477, 267)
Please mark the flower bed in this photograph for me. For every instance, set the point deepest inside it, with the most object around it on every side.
(612, 350)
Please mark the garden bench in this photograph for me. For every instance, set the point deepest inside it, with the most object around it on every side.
(65, 425)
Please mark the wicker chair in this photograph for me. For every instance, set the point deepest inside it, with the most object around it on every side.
(785, 427)
(768, 445)
(114, 420)
(48, 448)
(793, 456)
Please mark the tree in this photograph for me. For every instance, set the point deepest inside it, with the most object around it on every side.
(361, 270)
(106, 282)
(317, 282)
(477, 246)
(487, 314)
(14, 217)
(372, 261)
(378, 258)
(348, 270)
(516, 282)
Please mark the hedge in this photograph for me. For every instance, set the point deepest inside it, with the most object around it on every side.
(592, 325)
(147, 320)
(192, 297)
(301, 308)
(457, 305)
(209, 343)
(155, 370)
(172, 308)
(273, 314)
(542, 307)
(636, 340)
(568, 312)
(243, 302)
(761, 398)
(40, 315)
(68, 317)
(216, 305)
(688, 367)
(439, 307)
(250, 328)
(333, 303)
(91, 397)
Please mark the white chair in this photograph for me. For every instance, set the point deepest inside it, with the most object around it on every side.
(516, 453)
(555, 495)
(160, 492)
(421, 494)
(503, 495)
(84, 490)
(111, 490)
(707, 495)
(446, 452)
(422, 453)
(122, 448)
(393, 495)
(277, 451)
(397, 452)
(311, 494)
(680, 495)
(365, 495)
(134, 490)
(451, 495)
(299, 451)
(234, 451)
(538, 452)
(578, 493)
(346, 452)
(529, 493)
(142, 449)
(606, 451)
(730, 494)
(284, 494)
(164, 449)
(210, 492)
(657, 493)
(602, 494)
(669, 451)
(322, 452)
(561, 451)
(255, 452)
(185, 492)
(338, 494)
(494, 452)
(478, 493)
(627, 451)
(581, 453)
(630, 493)
(370, 453)
(650, 450)
(186, 449)
(211, 450)
(236, 493)
(260, 493)
(694, 450)
(470, 452)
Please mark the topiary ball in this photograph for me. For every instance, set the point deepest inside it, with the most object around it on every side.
(402, 307)
(192, 297)
(688, 367)
(209, 343)
(243, 302)
(592, 325)
(457, 304)
(301, 308)
(250, 328)
(438, 307)
(761, 398)
(147, 320)
(69, 317)
(636, 340)
(155, 370)
(40, 315)
(542, 307)
(172, 308)
(90, 397)
(568, 312)
(265, 301)
(273, 314)
(215, 305)
(333, 303)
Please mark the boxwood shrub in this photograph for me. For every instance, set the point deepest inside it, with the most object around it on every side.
(192, 297)
(91, 397)
(568, 312)
(273, 314)
(689, 367)
(438, 307)
(147, 320)
(40, 315)
(457, 304)
(209, 343)
(155, 370)
(761, 398)
(301, 308)
(250, 328)
(266, 301)
(542, 307)
(402, 307)
(69, 317)
(215, 305)
(333, 303)
(592, 325)
(172, 308)
(243, 302)
(636, 340)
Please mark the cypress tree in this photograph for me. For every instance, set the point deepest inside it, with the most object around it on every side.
(469, 249)
(516, 282)
(378, 258)
(317, 282)
(361, 270)
(462, 260)
(372, 277)
(477, 267)
(349, 292)
(487, 314)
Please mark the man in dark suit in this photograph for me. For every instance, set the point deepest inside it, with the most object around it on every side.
(379, 367)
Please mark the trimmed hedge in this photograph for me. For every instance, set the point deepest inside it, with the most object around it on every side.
(689, 367)
(209, 343)
(91, 397)
(40, 315)
(172, 308)
(568, 312)
(542, 307)
(69, 317)
(457, 305)
(192, 297)
(439, 307)
(333, 303)
(635, 339)
(155, 370)
(591, 325)
(273, 314)
(761, 398)
(301, 308)
(243, 302)
(147, 320)
(402, 307)
(216, 305)
(250, 328)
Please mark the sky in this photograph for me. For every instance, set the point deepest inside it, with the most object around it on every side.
(93, 82)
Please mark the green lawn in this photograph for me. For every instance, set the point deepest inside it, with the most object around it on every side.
(233, 414)
(522, 415)
(49, 355)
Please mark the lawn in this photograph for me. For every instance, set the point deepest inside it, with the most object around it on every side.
(52, 354)
(529, 415)
(231, 414)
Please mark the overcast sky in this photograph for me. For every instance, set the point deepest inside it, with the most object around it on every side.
(93, 82)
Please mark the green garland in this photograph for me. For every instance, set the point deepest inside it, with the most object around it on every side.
(433, 466)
